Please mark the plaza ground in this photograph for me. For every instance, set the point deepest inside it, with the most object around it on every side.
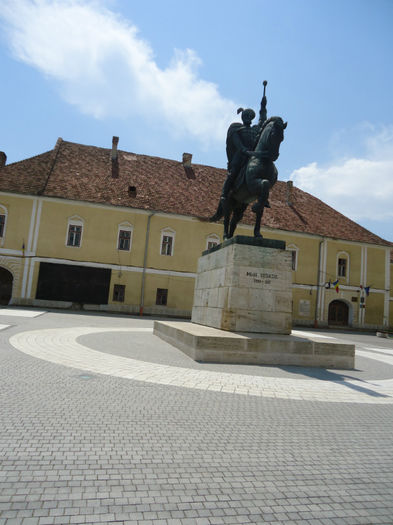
(102, 422)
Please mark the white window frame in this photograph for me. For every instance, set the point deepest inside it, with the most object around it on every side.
(124, 226)
(343, 255)
(3, 211)
(167, 232)
(213, 237)
(294, 248)
(74, 221)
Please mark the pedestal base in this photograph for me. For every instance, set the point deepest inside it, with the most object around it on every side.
(210, 345)
(245, 285)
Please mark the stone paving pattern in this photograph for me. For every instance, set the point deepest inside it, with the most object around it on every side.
(77, 447)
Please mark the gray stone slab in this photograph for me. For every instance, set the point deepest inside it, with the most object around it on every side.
(210, 345)
(249, 241)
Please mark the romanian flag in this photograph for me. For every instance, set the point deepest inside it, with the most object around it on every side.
(335, 284)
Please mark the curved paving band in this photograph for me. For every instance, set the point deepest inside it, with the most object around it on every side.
(60, 346)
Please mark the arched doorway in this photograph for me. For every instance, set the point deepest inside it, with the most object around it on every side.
(338, 313)
(5, 286)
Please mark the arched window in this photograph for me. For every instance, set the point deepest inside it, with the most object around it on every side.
(74, 232)
(167, 243)
(342, 266)
(294, 250)
(212, 240)
(124, 236)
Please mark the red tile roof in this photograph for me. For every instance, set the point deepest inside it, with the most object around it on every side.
(78, 172)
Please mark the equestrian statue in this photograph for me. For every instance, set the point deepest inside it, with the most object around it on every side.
(251, 152)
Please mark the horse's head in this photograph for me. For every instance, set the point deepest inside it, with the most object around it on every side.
(272, 134)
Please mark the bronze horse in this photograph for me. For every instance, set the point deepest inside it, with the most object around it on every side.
(254, 180)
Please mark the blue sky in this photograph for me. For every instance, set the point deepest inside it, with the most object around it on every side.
(168, 76)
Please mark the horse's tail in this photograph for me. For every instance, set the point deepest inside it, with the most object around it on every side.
(219, 213)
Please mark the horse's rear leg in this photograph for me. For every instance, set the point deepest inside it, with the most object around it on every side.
(236, 217)
(264, 188)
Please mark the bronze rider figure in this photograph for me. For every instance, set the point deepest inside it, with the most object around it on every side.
(240, 143)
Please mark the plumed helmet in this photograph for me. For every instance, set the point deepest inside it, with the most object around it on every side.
(247, 113)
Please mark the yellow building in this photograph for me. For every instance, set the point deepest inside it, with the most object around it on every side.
(109, 230)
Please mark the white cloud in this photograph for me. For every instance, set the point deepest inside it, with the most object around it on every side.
(359, 187)
(104, 67)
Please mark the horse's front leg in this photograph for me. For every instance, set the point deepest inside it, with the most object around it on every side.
(257, 227)
(226, 225)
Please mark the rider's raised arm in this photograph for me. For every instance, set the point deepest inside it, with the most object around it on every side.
(262, 111)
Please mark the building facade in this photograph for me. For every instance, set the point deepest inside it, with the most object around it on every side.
(103, 229)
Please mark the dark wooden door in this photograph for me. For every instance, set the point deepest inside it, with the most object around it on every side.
(338, 313)
(5, 286)
(78, 284)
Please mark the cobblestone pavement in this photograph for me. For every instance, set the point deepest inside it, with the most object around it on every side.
(102, 422)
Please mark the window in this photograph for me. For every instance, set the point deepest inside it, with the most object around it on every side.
(167, 242)
(2, 225)
(162, 296)
(342, 268)
(124, 240)
(294, 254)
(119, 293)
(124, 236)
(342, 263)
(294, 251)
(74, 232)
(212, 240)
(74, 235)
(166, 246)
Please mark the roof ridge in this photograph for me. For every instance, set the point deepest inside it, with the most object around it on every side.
(145, 155)
(55, 153)
(28, 158)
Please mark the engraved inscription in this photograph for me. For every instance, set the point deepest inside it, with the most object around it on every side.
(261, 277)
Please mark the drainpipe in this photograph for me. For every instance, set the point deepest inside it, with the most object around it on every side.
(318, 285)
(142, 303)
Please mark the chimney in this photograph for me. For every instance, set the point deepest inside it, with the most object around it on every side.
(289, 192)
(115, 142)
(187, 157)
(115, 158)
(3, 159)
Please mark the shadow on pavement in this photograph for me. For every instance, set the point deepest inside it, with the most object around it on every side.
(336, 377)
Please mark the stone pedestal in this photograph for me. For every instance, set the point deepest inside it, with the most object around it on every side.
(245, 285)
(209, 345)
